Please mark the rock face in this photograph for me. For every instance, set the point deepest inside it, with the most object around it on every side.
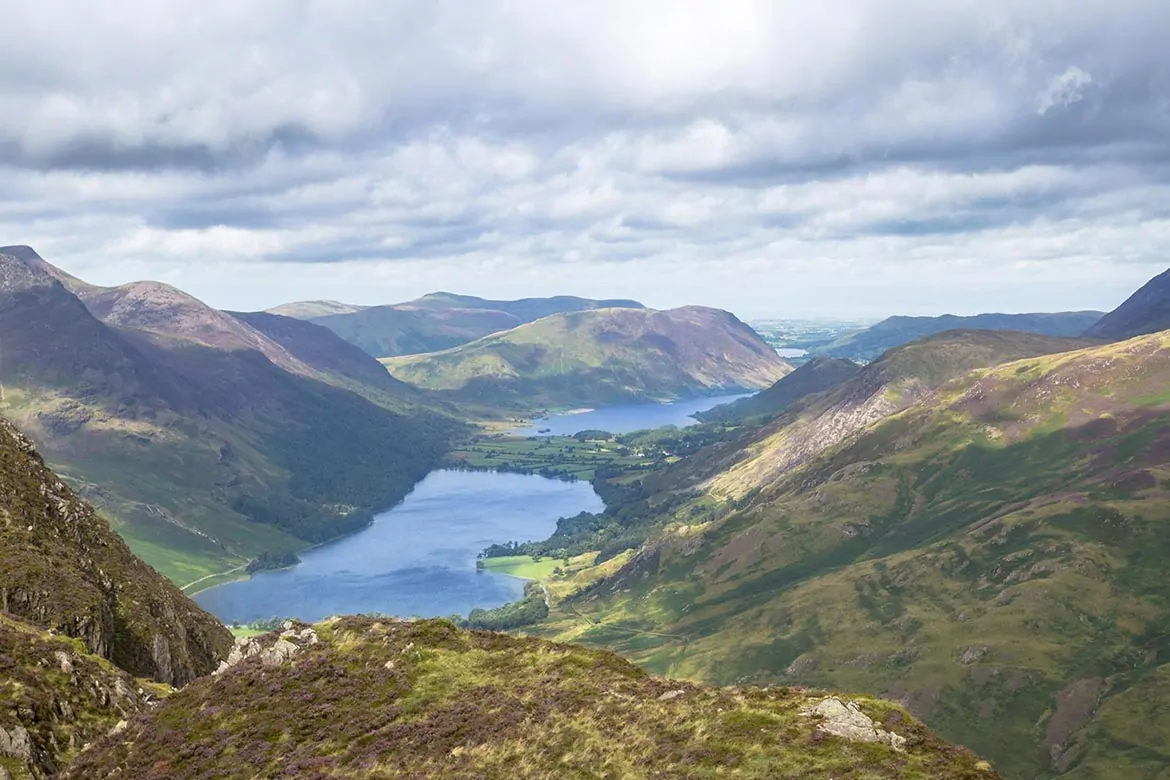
(846, 720)
(65, 569)
(55, 699)
(272, 649)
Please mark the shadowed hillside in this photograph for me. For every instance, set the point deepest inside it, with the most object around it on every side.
(815, 376)
(205, 440)
(1146, 311)
(895, 331)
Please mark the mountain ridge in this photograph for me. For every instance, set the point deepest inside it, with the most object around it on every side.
(601, 356)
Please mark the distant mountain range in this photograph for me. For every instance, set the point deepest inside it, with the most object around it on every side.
(208, 440)
(601, 356)
(870, 343)
(436, 321)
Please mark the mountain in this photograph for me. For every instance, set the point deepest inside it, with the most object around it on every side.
(523, 309)
(323, 349)
(1146, 311)
(65, 569)
(601, 356)
(895, 331)
(207, 441)
(360, 697)
(815, 376)
(384, 331)
(991, 553)
(442, 320)
(307, 310)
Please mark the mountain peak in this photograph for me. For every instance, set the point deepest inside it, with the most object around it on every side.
(1146, 311)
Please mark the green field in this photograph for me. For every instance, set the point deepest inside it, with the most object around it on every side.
(522, 566)
(563, 456)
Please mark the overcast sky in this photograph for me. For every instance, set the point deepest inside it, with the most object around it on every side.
(838, 157)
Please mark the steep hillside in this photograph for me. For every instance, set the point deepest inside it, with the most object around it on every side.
(815, 376)
(55, 698)
(901, 378)
(993, 556)
(870, 343)
(64, 568)
(175, 421)
(443, 320)
(1146, 311)
(355, 697)
(601, 356)
(306, 310)
(324, 350)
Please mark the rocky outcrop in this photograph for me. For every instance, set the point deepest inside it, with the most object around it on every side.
(55, 700)
(65, 569)
(846, 720)
(272, 649)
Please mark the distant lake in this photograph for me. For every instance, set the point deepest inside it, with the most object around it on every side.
(790, 352)
(416, 559)
(624, 418)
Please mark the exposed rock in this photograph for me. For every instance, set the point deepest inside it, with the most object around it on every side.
(671, 695)
(280, 653)
(846, 720)
(15, 743)
(969, 655)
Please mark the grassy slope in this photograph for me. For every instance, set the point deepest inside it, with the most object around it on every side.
(422, 699)
(816, 376)
(994, 557)
(600, 356)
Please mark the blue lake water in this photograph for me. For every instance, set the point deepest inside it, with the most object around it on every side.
(625, 417)
(416, 559)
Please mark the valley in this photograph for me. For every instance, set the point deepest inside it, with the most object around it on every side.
(967, 524)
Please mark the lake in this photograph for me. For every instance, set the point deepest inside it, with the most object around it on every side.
(415, 559)
(624, 418)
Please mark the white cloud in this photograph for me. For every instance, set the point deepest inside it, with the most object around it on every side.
(763, 156)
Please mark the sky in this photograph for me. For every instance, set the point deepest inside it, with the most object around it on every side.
(848, 158)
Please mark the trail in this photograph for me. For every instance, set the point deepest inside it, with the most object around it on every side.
(209, 576)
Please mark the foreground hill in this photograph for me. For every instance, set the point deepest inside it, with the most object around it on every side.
(443, 320)
(356, 697)
(1146, 311)
(815, 376)
(992, 555)
(601, 356)
(57, 698)
(65, 569)
(206, 440)
(895, 331)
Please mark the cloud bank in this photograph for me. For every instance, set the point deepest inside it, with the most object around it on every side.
(850, 157)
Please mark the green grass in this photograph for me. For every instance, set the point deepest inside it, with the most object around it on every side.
(522, 566)
(243, 632)
(553, 455)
